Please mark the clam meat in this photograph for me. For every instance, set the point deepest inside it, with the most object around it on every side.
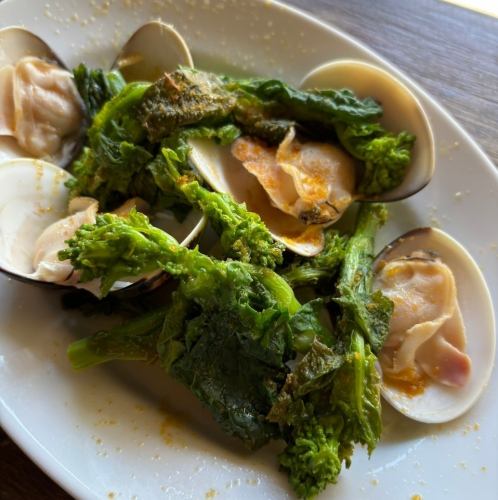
(427, 333)
(46, 263)
(40, 107)
(439, 352)
(311, 181)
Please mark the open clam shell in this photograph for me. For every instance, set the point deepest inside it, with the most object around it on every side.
(33, 196)
(18, 44)
(402, 111)
(439, 403)
(153, 49)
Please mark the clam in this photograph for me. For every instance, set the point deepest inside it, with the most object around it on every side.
(41, 113)
(439, 354)
(299, 189)
(36, 217)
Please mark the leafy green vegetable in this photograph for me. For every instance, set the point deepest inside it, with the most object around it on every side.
(323, 106)
(227, 334)
(385, 155)
(96, 87)
(306, 327)
(304, 271)
(368, 313)
(108, 169)
(184, 97)
(331, 400)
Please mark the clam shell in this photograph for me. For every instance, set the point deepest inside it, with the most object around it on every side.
(17, 42)
(143, 57)
(440, 403)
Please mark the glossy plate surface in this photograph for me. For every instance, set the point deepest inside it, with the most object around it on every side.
(127, 432)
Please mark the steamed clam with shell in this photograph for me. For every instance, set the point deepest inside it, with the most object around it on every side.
(41, 112)
(37, 216)
(439, 353)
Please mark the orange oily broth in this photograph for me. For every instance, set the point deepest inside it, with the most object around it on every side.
(409, 382)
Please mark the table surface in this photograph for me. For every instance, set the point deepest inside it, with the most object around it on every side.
(450, 51)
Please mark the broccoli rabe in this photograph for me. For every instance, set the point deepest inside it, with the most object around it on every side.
(333, 393)
(385, 155)
(322, 268)
(316, 106)
(226, 334)
(231, 329)
(243, 235)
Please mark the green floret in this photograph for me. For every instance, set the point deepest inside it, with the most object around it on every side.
(313, 459)
(322, 268)
(386, 156)
(243, 235)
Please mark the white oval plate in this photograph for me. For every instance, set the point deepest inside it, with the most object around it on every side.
(127, 432)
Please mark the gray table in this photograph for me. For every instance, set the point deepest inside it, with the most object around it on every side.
(451, 52)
